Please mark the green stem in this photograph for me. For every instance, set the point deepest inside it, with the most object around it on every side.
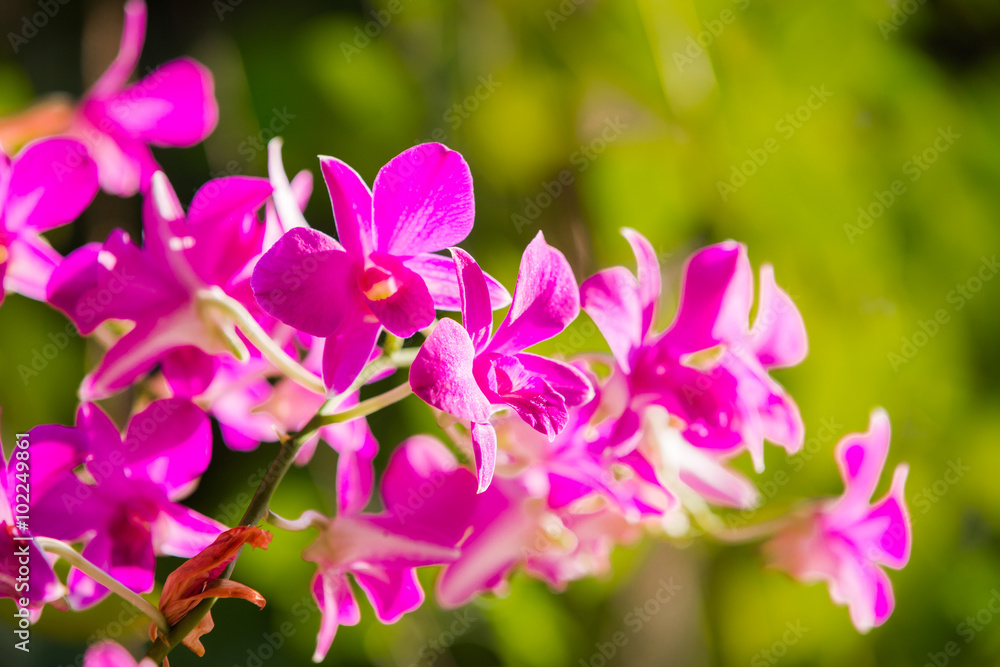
(366, 407)
(67, 552)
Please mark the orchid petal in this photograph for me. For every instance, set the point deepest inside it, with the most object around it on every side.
(477, 313)
(648, 273)
(423, 201)
(303, 279)
(546, 299)
(439, 273)
(612, 300)
(352, 206)
(715, 298)
(778, 336)
(51, 182)
(442, 374)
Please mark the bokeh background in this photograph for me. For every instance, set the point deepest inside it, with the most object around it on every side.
(775, 123)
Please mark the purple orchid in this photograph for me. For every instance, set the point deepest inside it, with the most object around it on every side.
(157, 286)
(383, 271)
(173, 106)
(424, 491)
(465, 371)
(47, 184)
(847, 541)
(130, 514)
(709, 369)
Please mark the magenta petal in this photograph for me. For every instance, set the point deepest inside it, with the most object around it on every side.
(611, 298)
(778, 336)
(138, 351)
(477, 313)
(347, 351)
(338, 607)
(896, 538)
(29, 266)
(352, 206)
(182, 532)
(439, 274)
(304, 280)
(442, 374)
(397, 296)
(484, 443)
(173, 106)
(127, 556)
(546, 299)
(885, 602)
(75, 276)
(355, 481)
(715, 298)
(648, 273)
(392, 592)
(222, 225)
(430, 494)
(861, 458)
(423, 201)
(572, 384)
(169, 443)
(51, 182)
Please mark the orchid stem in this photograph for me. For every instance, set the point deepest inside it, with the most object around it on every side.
(218, 299)
(366, 407)
(67, 552)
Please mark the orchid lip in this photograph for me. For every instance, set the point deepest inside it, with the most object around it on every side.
(377, 283)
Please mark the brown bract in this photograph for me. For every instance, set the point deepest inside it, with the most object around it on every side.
(198, 579)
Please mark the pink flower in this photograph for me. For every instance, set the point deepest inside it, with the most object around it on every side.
(130, 514)
(426, 495)
(215, 244)
(847, 541)
(469, 371)
(382, 272)
(47, 184)
(709, 369)
(173, 106)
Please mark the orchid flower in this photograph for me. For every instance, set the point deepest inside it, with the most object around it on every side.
(709, 369)
(173, 106)
(383, 271)
(847, 541)
(469, 371)
(425, 493)
(157, 286)
(130, 514)
(48, 184)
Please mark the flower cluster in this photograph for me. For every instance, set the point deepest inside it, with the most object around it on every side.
(236, 309)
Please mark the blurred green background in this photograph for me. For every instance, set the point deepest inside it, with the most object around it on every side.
(775, 123)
